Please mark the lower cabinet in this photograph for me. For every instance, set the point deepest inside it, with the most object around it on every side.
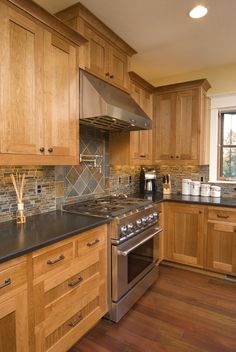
(184, 233)
(72, 296)
(221, 241)
(13, 307)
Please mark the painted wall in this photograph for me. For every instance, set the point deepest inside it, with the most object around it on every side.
(221, 78)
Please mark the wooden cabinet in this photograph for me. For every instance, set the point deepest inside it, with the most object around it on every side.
(69, 289)
(134, 148)
(184, 231)
(221, 240)
(13, 306)
(105, 55)
(181, 123)
(39, 101)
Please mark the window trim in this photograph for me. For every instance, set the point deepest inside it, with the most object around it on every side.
(219, 103)
(221, 146)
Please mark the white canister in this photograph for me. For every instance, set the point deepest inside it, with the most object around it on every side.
(186, 186)
(205, 190)
(195, 188)
(215, 191)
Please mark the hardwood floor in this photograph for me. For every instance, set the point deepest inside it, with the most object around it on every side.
(182, 312)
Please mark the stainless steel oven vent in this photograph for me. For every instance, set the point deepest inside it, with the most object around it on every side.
(109, 108)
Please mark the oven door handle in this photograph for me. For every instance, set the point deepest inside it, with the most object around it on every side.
(125, 253)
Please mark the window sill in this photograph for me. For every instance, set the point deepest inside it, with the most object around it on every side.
(224, 182)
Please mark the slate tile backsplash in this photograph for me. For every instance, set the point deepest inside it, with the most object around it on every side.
(34, 203)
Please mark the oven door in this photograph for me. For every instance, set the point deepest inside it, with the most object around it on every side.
(133, 259)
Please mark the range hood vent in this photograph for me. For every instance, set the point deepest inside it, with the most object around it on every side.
(109, 108)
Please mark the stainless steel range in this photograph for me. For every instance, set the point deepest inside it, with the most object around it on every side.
(134, 255)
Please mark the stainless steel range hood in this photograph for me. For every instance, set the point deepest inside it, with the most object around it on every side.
(109, 108)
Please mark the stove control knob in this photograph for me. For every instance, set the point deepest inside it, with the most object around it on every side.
(130, 226)
(155, 215)
(123, 229)
(150, 218)
(139, 222)
(144, 220)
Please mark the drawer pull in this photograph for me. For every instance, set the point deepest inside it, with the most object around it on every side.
(222, 216)
(142, 156)
(91, 244)
(76, 282)
(51, 262)
(72, 324)
(6, 283)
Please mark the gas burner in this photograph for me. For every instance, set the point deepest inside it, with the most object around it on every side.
(110, 206)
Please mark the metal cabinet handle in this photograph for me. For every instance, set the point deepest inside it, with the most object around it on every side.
(42, 149)
(142, 156)
(125, 253)
(72, 324)
(51, 262)
(76, 282)
(91, 244)
(5, 283)
(50, 150)
(222, 216)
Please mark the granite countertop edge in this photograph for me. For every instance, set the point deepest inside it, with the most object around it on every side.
(17, 244)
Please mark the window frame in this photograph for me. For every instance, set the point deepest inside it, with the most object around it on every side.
(221, 146)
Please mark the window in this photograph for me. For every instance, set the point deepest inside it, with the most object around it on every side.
(227, 145)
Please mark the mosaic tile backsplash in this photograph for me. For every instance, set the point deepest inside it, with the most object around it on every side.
(35, 202)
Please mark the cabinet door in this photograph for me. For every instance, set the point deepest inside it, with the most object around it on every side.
(187, 124)
(164, 134)
(94, 54)
(118, 63)
(221, 247)
(146, 136)
(20, 83)
(185, 227)
(14, 324)
(61, 100)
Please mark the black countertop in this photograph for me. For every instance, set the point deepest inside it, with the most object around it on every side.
(42, 230)
(179, 198)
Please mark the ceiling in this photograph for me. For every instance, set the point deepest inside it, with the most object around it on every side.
(168, 42)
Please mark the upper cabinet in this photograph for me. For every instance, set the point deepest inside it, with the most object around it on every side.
(39, 101)
(181, 123)
(106, 55)
(141, 141)
(134, 148)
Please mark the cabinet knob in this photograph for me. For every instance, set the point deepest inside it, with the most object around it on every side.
(177, 156)
(111, 76)
(42, 149)
(107, 74)
(50, 150)
(200, 212)
(171, 157)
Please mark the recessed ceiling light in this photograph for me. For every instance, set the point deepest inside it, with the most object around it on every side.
(198, 12)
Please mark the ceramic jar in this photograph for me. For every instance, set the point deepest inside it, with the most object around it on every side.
(186, 186)
(215, 191)
(205, 190)
(195, 188)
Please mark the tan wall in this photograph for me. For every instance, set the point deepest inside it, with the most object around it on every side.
(221, 78)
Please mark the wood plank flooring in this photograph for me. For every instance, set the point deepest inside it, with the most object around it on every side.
(182, 312)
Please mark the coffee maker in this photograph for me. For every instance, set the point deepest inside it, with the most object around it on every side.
(148, 181)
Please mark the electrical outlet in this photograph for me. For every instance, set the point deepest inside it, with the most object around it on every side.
(38, 188)
(119, 180)
(130, 179)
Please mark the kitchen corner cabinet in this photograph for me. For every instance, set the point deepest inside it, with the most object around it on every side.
(38, 87)
(105, 55)
(134, 148)
(181, 123)
(69, 289)
(184, 233)
(221, 240)
(13, 307)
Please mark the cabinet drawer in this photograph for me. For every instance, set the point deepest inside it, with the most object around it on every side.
(222, 215)
(12, 277)
(92, 240)
(52, 259)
